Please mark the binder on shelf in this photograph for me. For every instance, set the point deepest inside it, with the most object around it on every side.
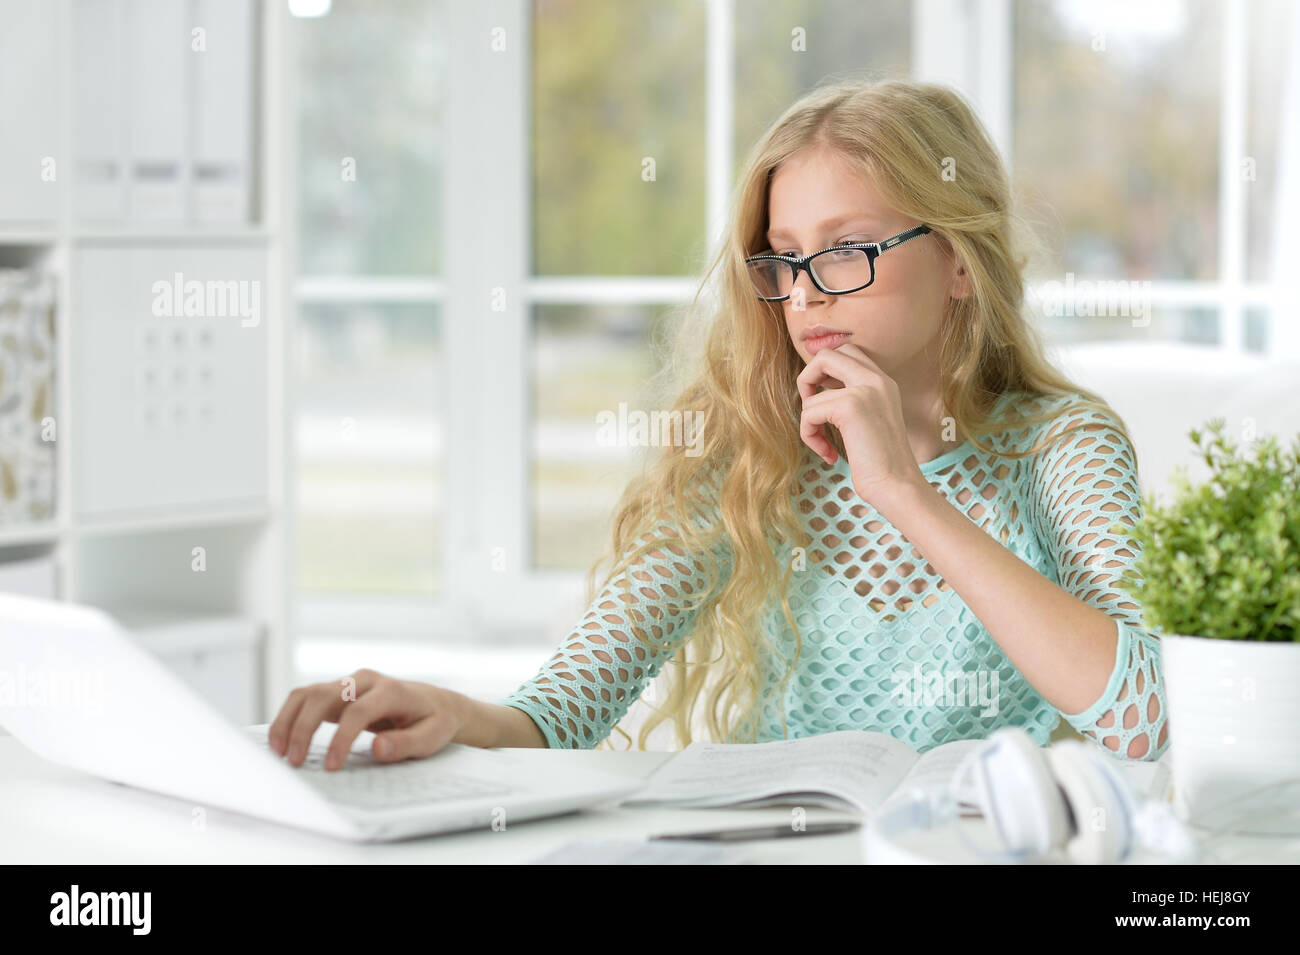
(99, 109)
(31, 160)
(157, 69)
(27, 405)
(221, 109)
(163, 110)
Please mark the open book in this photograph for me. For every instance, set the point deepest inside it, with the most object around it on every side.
(857, 770)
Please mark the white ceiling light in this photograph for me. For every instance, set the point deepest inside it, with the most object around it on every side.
(309, 8)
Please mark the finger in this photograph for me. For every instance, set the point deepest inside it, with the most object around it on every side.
(321, 702)
(831, 364)
(876, 375)
(812, 433)
(278, 734)
(810, 378)
(422, 738)
(317, 703)
(855, 350)
(379, 705)
(848, 363)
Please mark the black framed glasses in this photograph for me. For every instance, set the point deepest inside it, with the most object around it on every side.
(838, 270)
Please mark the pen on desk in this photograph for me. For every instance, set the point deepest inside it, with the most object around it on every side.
(761, 832)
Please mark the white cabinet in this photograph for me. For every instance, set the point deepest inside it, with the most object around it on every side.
(217, 656)
(169, 378)
(159, 236)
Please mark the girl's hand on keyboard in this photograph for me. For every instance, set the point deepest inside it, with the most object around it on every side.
(410, 719)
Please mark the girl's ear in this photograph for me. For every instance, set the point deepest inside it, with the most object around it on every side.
(960, 287)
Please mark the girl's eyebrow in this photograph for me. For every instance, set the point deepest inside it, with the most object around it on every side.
(828, 224)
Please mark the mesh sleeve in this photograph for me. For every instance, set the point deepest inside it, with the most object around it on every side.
(600, 670)
(1083, 483)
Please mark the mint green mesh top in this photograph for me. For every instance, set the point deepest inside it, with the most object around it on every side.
(888, 645)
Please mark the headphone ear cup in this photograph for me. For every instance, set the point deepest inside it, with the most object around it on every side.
(1099, 801)
(1018, 795)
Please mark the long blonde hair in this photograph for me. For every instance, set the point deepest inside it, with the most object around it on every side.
(734, 489)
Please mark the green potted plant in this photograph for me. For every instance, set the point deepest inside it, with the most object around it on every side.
(1218, 579)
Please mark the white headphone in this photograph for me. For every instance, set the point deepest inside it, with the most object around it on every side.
(1036, 801)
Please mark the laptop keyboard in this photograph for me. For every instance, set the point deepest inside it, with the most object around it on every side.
(366, 783)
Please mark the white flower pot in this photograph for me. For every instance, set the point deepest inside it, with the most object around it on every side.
(1234, 718)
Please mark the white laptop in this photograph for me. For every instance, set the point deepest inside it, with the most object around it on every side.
(78, 691)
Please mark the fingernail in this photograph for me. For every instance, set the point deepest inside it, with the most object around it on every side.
(295, 753)
(383, 747)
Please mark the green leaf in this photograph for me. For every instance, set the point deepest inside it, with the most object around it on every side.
(1222, 559)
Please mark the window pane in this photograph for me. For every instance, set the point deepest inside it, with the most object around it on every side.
(775, 65)
(1255, 332)
(586, 360)
(1269, 33)
(618, 137)
(1116, 126)
(370, 92)
(369, 449)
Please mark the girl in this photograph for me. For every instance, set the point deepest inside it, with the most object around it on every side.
(900, 517)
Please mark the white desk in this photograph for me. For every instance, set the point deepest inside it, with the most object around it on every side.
(52, 815)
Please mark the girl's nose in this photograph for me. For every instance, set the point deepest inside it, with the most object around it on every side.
(803, 291)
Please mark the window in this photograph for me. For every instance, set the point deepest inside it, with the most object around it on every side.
(368, 446)
(587, 360)
(1146, 149)
(784, 49)
(369, 85)
(579, 167)
(1116, 136)
(370, 100)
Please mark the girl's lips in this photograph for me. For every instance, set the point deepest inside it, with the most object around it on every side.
(833, 340)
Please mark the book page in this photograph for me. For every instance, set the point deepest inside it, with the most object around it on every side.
(862, 768)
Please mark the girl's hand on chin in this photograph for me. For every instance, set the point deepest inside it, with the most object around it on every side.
(864, 404)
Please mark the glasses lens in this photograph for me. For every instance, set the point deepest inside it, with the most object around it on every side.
(771, 278)
(842, 270)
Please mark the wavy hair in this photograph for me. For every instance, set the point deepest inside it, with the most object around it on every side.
(730, 498)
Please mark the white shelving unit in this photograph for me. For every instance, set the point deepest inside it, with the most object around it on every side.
(173, 519)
